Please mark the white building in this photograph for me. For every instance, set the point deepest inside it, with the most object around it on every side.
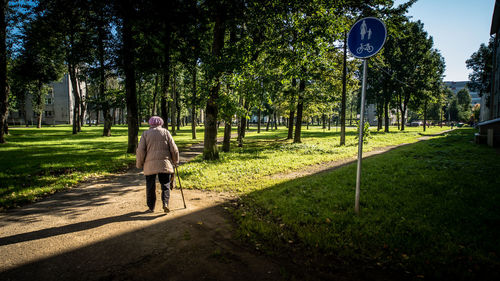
(58, 107)
(371, 116)
(456, 86)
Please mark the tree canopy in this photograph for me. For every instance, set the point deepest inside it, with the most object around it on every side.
(222, 61)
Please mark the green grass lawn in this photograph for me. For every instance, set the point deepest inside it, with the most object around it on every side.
(430, 209)
(36, 162)
(267, 153)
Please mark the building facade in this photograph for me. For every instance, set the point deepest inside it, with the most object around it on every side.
(489, 128)
(372, 118)
(456, 86)
(58, 105)
(494, 98)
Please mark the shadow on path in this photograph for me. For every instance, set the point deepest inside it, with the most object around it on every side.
(195, 246)
(80, 226)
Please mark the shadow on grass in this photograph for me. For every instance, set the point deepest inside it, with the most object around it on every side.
(419, 212)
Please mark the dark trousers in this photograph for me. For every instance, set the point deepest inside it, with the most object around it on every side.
(151, 189)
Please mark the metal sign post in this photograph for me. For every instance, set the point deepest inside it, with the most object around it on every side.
(360, 141)
(365, 39)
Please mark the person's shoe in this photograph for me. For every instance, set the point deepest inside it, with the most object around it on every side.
(149, 211)
(165, 208)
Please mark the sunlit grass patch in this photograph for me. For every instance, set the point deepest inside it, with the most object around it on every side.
(244, 168)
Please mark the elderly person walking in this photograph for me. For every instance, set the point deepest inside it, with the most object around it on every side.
(157, 154)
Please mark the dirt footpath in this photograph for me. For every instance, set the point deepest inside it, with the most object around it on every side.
(100, 231)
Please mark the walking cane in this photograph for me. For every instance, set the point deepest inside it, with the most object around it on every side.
(180, 185)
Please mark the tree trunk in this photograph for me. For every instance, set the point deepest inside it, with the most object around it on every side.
(129, 70)
(178, 110)
(344, 94)
(193, 104)
(300, 108)
(84, 104)
(241, 131)
(386, 117)
(164, 110)
(350, 119)
(39, 121)
(268, 123)
(173, 108)
(165, 79)
(397, 117)
(380, 113)
(292, 111)
(155, 94)
(140, 92)
(81, 107)
(403, 119)
(259, 115)
(38, 105)
(425, 114)
(76, 97)
(323, 120)
(6, 126)
(102, 83)
(210, 148)
(108, 121)
(242, 123)
(4, 95)
(227, 136)
(275, 120)
(291, 124)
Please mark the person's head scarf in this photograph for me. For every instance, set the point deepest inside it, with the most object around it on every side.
(155, 121)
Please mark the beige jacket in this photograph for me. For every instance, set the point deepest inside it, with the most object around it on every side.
(157, 152)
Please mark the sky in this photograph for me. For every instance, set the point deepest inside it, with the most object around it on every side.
(458, 28)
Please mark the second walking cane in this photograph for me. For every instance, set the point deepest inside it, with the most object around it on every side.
(180, 186)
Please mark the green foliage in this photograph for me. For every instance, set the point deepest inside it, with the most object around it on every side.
(481, 64)
(432, 212)
(463, 98)
(409, 71)
(476, 112)
(366, 131)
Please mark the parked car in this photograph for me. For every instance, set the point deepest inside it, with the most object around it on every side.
(416, 123)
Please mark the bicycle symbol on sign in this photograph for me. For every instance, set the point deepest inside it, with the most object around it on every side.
(364, 47)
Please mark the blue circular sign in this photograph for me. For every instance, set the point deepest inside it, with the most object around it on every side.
(366, 37)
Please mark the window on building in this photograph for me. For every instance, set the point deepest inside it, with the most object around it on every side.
(48, 113)
(49, 101)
